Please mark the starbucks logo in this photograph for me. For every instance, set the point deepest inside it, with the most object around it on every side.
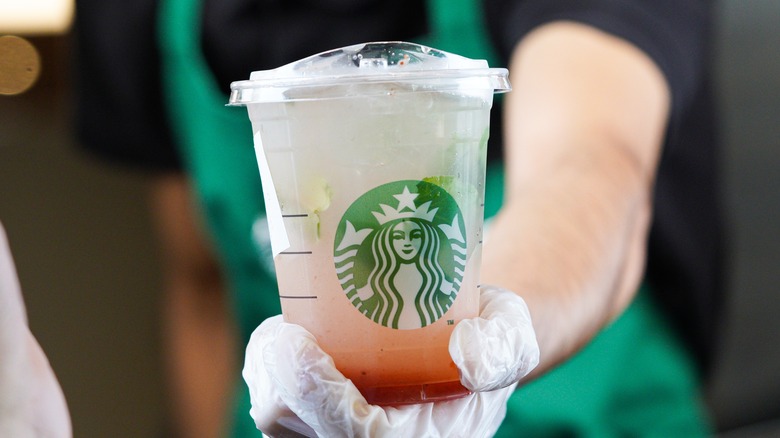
(400, 253)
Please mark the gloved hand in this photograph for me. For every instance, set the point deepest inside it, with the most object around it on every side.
(31, 400)
(296, 390)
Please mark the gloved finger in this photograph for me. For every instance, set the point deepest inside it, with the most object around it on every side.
(13, 343)
(31, 400)
(270, 413)
(499, 347)
(12, 314)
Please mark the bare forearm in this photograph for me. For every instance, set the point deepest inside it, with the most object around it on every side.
(199, 335)
(585, 124)
(200, 356)
(573, 255)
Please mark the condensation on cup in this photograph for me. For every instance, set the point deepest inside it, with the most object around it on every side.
(372, 160)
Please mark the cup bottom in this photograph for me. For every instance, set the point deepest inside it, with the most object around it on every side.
(414, 394)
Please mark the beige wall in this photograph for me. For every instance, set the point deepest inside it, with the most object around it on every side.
(81, 237)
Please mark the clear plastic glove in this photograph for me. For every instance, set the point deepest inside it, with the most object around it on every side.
(31, 401)
(296, 390)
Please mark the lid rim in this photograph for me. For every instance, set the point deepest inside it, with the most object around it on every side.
(241, 96)
(407, 76)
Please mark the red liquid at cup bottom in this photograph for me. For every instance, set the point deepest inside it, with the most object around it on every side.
(391, 378)
(414, 394)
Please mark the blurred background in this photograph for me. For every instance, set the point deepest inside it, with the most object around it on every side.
(88, 263)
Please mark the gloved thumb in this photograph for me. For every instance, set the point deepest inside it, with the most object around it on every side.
(499, 347)
(271, 414)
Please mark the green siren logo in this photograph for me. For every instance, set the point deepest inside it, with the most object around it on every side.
(400, 253)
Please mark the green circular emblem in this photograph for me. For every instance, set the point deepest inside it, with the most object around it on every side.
(400, 253)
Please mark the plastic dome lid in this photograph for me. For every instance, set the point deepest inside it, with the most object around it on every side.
(369, 69)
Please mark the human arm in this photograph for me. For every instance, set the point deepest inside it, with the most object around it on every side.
(198, 332)
(584, 127)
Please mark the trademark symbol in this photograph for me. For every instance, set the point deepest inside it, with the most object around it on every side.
(450, 321)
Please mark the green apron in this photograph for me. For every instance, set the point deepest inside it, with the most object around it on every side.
(633, 379)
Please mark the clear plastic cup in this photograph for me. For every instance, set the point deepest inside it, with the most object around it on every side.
(372, 159)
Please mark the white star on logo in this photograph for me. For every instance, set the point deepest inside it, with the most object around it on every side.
(406, 200)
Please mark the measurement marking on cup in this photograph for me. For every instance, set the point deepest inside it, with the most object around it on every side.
(293, 297)
(295, 215)
(295, 252)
